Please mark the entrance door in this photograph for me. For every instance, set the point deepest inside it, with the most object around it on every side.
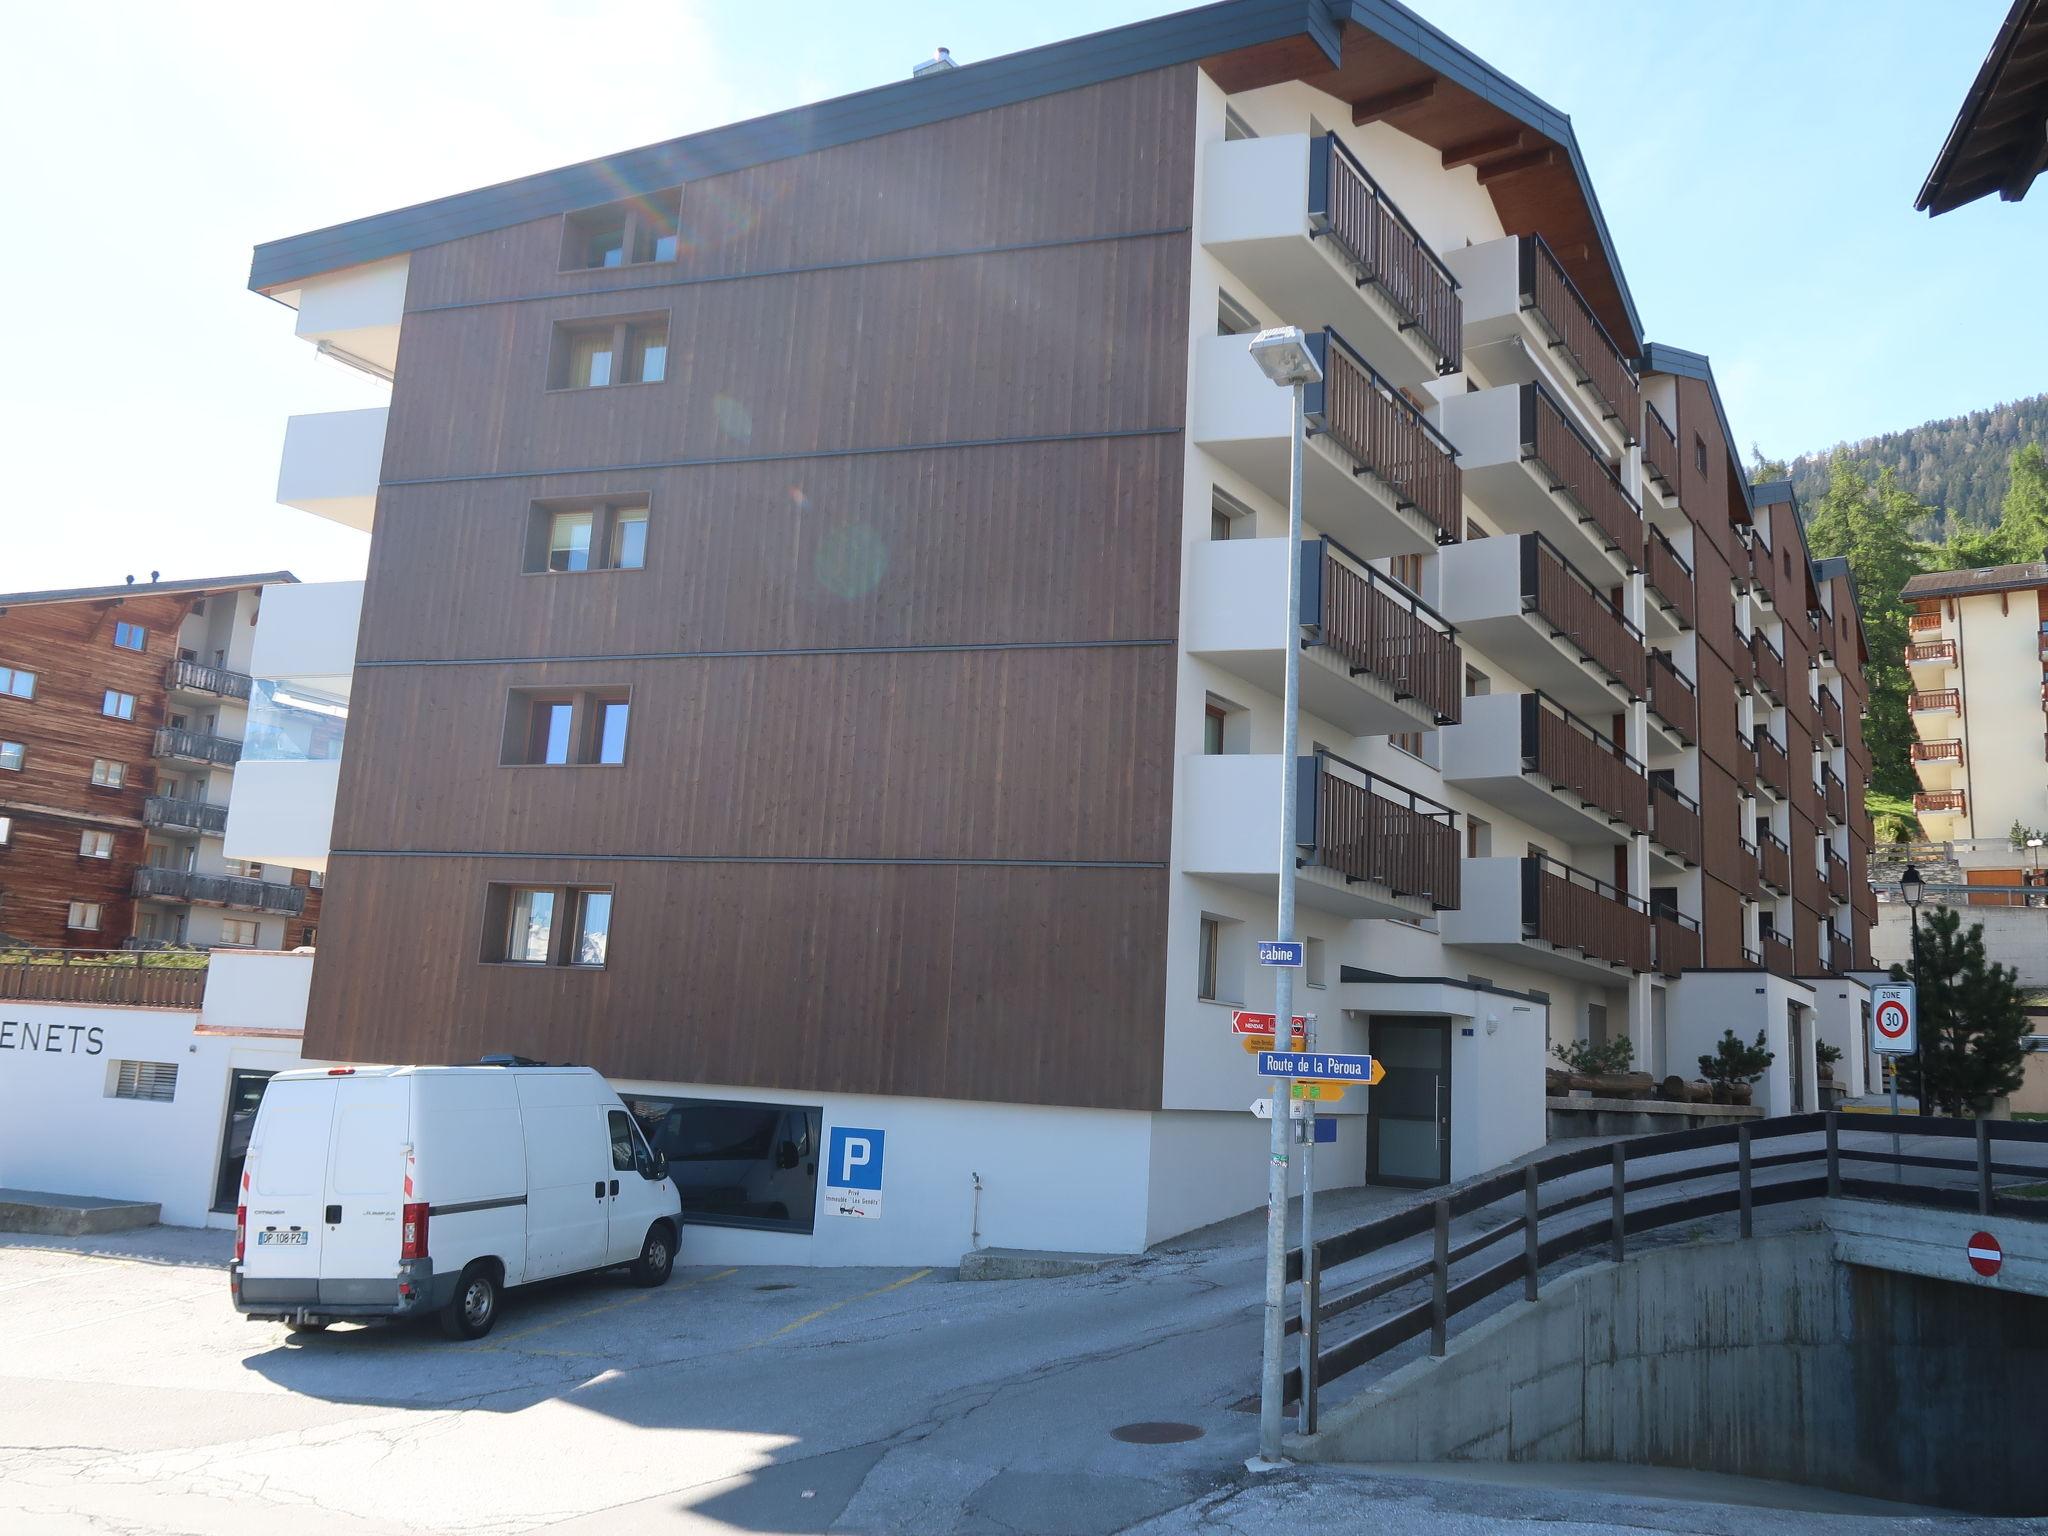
(1796, 1033)
(1408, 1116)
(245, 1093)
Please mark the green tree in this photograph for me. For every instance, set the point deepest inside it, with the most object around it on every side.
(1763, 470)
(1972, 1029)
(2023, 515)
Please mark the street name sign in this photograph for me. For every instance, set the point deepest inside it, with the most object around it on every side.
(1286, 952)
(1893, 1014)
(1320, 1066)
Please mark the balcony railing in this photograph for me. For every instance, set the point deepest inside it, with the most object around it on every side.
(1773, 763)
(1373, 424)
(1749, 876)
(1678, 941)
(1777, 954)
(1570, 910)
(1673, 697)
(1368, 829)
(1660, 449)
(1742, 662)
(1379, 628)
(1586, 352)
(1834, 795)
(1675, 821)
(1923, 623)
(1774, 860)
(113, 977)
(1577, 612)
(196, 677)
(219, 890)
(1950, 751)
(1838, 876)
(1566, 750)
(184, 815)
(1830, 716)
(1763, 575)
(1577, 467)
(1770, 667)
(195, 746)
(1945, 802)
(1922, 652)
(1934, 701)
(1670, 577)
(1348, 207)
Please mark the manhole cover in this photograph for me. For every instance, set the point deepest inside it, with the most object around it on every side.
(1154, 1433)
(777, 1285)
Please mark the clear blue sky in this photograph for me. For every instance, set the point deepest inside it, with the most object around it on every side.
(1757, 163)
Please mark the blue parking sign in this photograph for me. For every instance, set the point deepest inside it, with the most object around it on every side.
(854, 1158)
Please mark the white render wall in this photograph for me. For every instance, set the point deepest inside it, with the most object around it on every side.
(2004, 769)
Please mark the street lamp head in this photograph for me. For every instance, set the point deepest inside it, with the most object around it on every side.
(1283, 356)
(1910, 886)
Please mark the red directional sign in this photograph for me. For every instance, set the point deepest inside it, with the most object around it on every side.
(1243, 1022)
(1985, 1254)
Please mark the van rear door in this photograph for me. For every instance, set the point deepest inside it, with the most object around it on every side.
(284, 1181)
(365, 1192)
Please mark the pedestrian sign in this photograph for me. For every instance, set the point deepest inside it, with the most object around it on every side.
(1893, 1016)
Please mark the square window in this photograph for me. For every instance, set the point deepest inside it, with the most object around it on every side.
(117, 705)
(593, 927)
(529, 935)
(17, 683)
(611, 730)
(83, 915)
(131, 637)
(12, 755)
(151, 1081)
(629, 539)
(595, 354)
(640, 229)
(108, 775)
(570, 537)
(96, 845)
(562, 730)
(569, 541)
(239, 932)
(548, 731)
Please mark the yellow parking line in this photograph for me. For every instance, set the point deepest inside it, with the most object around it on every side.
(608, 1306)
(812, 1317)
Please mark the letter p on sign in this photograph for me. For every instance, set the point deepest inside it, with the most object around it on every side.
(854, 1158)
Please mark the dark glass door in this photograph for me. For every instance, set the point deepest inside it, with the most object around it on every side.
(245, 1092)
(1408, 1116)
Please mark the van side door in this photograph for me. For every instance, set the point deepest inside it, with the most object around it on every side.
(568, 1184)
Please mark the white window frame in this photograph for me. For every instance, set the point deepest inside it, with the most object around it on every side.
(11, 683)
(79, 910)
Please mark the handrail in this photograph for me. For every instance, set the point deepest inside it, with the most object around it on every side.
(1611, 376)
(201, 678)
(1658, 467)
(1949, 750)
(1612, 509)
(171, 811)
(1402, 840)
(110, 977)
(1383, 434)
(1427, 294)
(1569, 752)
(1375, 625)
(177, 741)
(164, 883)
(1554, 599)
(1932, 699)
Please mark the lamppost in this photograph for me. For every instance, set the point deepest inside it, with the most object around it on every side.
(1911, 889)
(1283, 356)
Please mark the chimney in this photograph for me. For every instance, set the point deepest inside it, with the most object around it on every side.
(941, 59)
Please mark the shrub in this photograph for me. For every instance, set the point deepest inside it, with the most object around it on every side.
(1588, 1059)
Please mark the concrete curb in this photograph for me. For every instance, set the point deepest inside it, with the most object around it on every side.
(1033, 1264)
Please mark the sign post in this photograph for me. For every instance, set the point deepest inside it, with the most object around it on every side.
(1895, 1017)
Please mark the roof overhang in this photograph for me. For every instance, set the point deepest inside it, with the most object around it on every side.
(1999, 140)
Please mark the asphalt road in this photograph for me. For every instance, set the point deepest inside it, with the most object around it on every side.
(133, 1399)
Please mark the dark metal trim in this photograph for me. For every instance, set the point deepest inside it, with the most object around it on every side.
(475, 1205)
(741, 655)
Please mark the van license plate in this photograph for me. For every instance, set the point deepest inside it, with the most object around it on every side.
(280, 1239)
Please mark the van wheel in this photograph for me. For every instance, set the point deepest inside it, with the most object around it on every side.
(657, 1259)
(474, 1306)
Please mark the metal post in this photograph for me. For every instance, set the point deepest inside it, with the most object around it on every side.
(1439, 1281)
(1891, 1072)
(1273, 1371)
(1306, 1418)
(1919, 1024)
(1618, 1247)
(1532, 1248)
(1311, 1333)
(1742, 1175)
(1983, 1166)
(1834, 1155)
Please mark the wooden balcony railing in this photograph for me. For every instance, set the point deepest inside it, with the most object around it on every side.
(1763, 575)
(195, 746)
(1774, 862)
(1950, 751)
(186, 815)
(1584, 350)
(1749, 874)
(1582, 616)
(1381, 629)
(1670, 578)
(1830, 715)
(1349, 208)
(1577, 467)
(1660, 450)
(1838, 876)
(1777, 953)
(196, 677)
(1770, 667)
(1367, 828)
(112, 977)
(1678, 941)
(1834, 795)
(219, 890)
(1947, 802)
(1923, 652)
(1675, 821)
(1934, 701)
(1673, 697)
(1567, 751)
(1570, 910)
(1773, 764)
(1384, 436)
(1923, 623)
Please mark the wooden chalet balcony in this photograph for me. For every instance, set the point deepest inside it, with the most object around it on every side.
(1584, 351)
(1673, 698)
(110, 977)
(1568, 909)
(1777, 954)
(218, 682)
(1773, 764)
(1940, 802)
(1579, 470)
(1923, 623)
(1770, 667)
(1354, 213)
(1930, 653)
(1670, 579)
(1830, 715)
(1675, 822)
(1380, 629)
(1749, 872)
(1949, 751)
(1934, 701)
(156, 884)
(1838, 876)
(1375, 832)
(1834, 796)
(1763, 574)
(1678, 947)
(1774, 862)
(175, 744)
(1660, 451)
(1579, 613)
(1384, 435)
(184, 815)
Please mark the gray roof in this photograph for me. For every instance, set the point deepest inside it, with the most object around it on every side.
(1771, 493)
(145, 589)
(1989, 578)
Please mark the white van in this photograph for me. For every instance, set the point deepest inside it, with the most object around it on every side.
(385, 1192)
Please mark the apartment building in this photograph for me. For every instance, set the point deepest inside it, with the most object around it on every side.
(125, 715)
(821, 651)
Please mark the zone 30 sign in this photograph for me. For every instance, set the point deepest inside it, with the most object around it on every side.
(1892, 1017)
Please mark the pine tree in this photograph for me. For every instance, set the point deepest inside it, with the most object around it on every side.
(1972, 1029)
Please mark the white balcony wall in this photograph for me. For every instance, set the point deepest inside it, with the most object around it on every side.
(257, 990)
(356, 311)
(283, 813)
(331, 464)
(307, 633)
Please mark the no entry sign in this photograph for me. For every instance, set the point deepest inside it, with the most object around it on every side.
(1891, 1018)
(1985, 1254)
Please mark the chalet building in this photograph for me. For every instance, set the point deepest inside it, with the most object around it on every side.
(821, 653)
(126, 717)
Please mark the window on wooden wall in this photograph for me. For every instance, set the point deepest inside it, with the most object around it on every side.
(95, 845)
(12, 755)
(632, 349)
(108, 775)
(632, 233)
(116, 705)
(17, 683)
(6, 830)
(547, 925)
(581, 727)
(83, 915)
(131, 637)
(1699, 453)
(567, 537)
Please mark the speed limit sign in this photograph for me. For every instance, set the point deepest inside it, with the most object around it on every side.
(1892, 1019)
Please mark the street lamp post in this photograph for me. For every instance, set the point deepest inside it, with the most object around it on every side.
(1911, 889)
(1283, 355)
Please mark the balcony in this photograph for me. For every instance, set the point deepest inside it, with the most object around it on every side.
(1535, 472)
(1368, 847)
(174, 744)
(1838, 876)
(1763, 575)
(1678, 946)
(1749, 872)
(1674, 701)
(1742, 662)
(1525, 320)
(1669, 578)
(153, 884)
(1932, 702)
(307, 632)
(283, 813)
(1518, 598)
(1830, 715)
(1774, 862)
(1923, 623)
(1660, 452)
(214, 682)
(1374, 473)
(354, 314)
(1299, 219)
(1538, 762)
(332, 462)
(1776, 950)
(1943, 805)
(1547, 915)
(1936, 763)
(1773, 765)
(1926, 656)
(1675, 823)
(175, 815)
(123, 978)
(1834, 795)
(1770, 668)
